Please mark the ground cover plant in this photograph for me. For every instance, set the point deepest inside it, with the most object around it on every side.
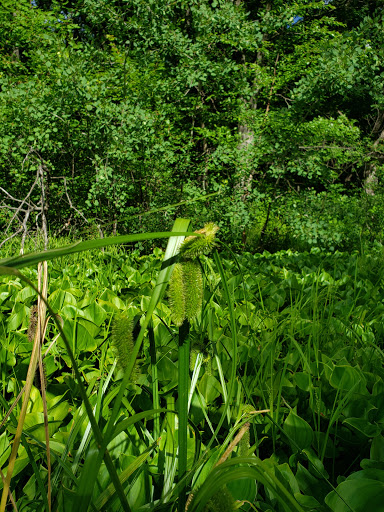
(267, 396)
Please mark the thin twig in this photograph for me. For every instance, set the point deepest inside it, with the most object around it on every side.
(11, 236)
(70, 202)
(21, 205)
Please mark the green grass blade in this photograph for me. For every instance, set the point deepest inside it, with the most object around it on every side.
(231, 311)
(155, 380)
(251, 468)
(31, 458)
(145, 415)
(86, 437)
(195, 377)
(32, 259)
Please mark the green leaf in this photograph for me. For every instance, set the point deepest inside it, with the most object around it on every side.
(347, 378)
(363, 426)
(32, 259)
(299, 432)
(377, 449)
(210, 388)
(358, 494)
(303, 380)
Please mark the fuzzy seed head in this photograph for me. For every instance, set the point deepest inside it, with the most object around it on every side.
(195, 246)
(193, 288)
(221, 501)
(32, 324)
(244, 444)
(122, 341)
(176, 295)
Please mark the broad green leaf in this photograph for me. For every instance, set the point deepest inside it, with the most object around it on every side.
(347, 378)
(25, 294)
(299, 432)
(210, 388)
(307, 501)
(303, 380)
(95, 313)
(19, 317)
(357, 494)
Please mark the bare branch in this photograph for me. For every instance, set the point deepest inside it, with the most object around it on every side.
(21, 205)
(9, 195)
(11, 236)
(25, 231)
(43, 206)
(70, 202)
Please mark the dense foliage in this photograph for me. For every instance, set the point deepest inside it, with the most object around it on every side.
(124, 107)
(308, 382)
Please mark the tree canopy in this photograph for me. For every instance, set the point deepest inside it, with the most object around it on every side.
(122, 107)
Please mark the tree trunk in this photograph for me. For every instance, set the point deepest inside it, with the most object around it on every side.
(371, 179)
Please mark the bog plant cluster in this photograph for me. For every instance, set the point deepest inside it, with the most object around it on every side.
(194, 380)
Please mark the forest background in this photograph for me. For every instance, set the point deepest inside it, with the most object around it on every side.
(119, 108)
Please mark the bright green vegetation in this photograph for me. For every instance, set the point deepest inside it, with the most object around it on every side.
(140, 373)
(117, 108)
(285, 363)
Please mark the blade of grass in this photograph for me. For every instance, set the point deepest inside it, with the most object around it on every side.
(195, 377)
(155, 380)
(170, 450)
(31, 259)
(31, 458)
(251, 468)
(96, 410)
(232, 322)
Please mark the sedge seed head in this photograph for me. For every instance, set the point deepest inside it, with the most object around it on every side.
(195, 246)
(193, 288)
(176, 295)
(221, 501)
(122, 342)
(33, 317)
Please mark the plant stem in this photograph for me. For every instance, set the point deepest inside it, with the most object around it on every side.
(184, 349)
(155, 382)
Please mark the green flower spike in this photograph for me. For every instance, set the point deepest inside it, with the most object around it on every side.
(122, 341)
(186, 283)
(176, 295)
(221, 501)
(193, 288)
(195, 246)
(185, 291)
